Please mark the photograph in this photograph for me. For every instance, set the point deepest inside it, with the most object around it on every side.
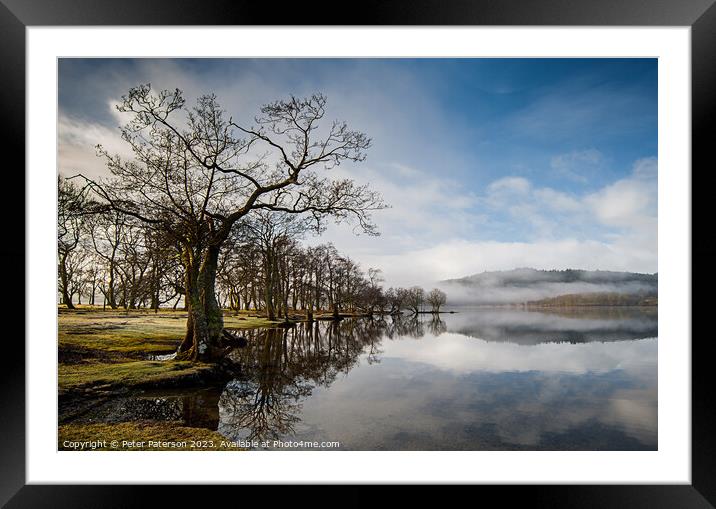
(357, 254)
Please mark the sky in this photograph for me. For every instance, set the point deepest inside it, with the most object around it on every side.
(487, 164)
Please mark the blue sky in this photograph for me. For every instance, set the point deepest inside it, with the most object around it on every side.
(488, 163)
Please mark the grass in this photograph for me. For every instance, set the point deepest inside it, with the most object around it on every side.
(132, 333)
(104, 351)
(143, 436)
(102, 376)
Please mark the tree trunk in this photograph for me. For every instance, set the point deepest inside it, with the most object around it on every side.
(309, 311)
(111, 299)
(154, 302)
(205, 321)
(254, 298)
(285, 287)
(64, 281)
(270, 309)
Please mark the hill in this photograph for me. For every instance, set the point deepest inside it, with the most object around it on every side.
(597, 299)
(527, 285)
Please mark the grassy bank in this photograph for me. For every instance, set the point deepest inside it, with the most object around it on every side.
(106, 351)
(132, 333)
(97, 376)
(138, 436)
(101, 353)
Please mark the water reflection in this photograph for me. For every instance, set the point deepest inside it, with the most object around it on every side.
(483, 379)
(197, 408)
(571, 325)
(480, 379)
(282, 367)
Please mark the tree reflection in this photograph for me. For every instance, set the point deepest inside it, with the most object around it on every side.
(405, 326)
(436, 326)
(281, 367)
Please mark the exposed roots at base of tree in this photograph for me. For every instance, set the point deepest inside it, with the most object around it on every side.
(187, 355)
(227, 341)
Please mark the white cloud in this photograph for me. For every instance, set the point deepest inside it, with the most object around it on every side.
(76, 147)
(556, 200)
(620, 204)
(630, 202)
(646, 168)
(451, 352)
(425, 209)
(578, 165)
(627, 208)
(509, 186)
(458, 258)
(543, 211)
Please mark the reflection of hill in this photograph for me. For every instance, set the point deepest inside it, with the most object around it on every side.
(563, 325)
(602, 312)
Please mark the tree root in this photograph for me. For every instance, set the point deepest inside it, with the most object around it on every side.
(230, 339)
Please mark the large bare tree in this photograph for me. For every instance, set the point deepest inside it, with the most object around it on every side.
(193, 176)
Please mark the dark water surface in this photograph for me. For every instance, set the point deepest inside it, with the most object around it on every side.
(480, 379)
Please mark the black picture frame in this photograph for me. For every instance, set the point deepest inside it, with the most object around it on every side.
(16, 15)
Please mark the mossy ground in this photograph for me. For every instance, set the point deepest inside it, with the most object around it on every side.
(104, 352)
(109, 350)
(134, 332)
(174, 436)
(102, 376)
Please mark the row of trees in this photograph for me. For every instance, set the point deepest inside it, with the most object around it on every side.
(112, 256)
(262, 267)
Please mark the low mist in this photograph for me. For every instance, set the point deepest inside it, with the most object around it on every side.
(524, 285)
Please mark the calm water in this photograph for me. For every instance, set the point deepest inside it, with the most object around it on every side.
(480, 379)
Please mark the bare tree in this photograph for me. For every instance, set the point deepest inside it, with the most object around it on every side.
(195, 178)
(106, 234)
(70, 224)
(414, 299)
(396, 299)
(436, 298)
(272, 233)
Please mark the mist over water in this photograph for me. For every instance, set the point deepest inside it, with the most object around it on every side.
(465, 296)
(524, 285)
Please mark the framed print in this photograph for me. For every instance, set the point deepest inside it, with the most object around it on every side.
(455, 254)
